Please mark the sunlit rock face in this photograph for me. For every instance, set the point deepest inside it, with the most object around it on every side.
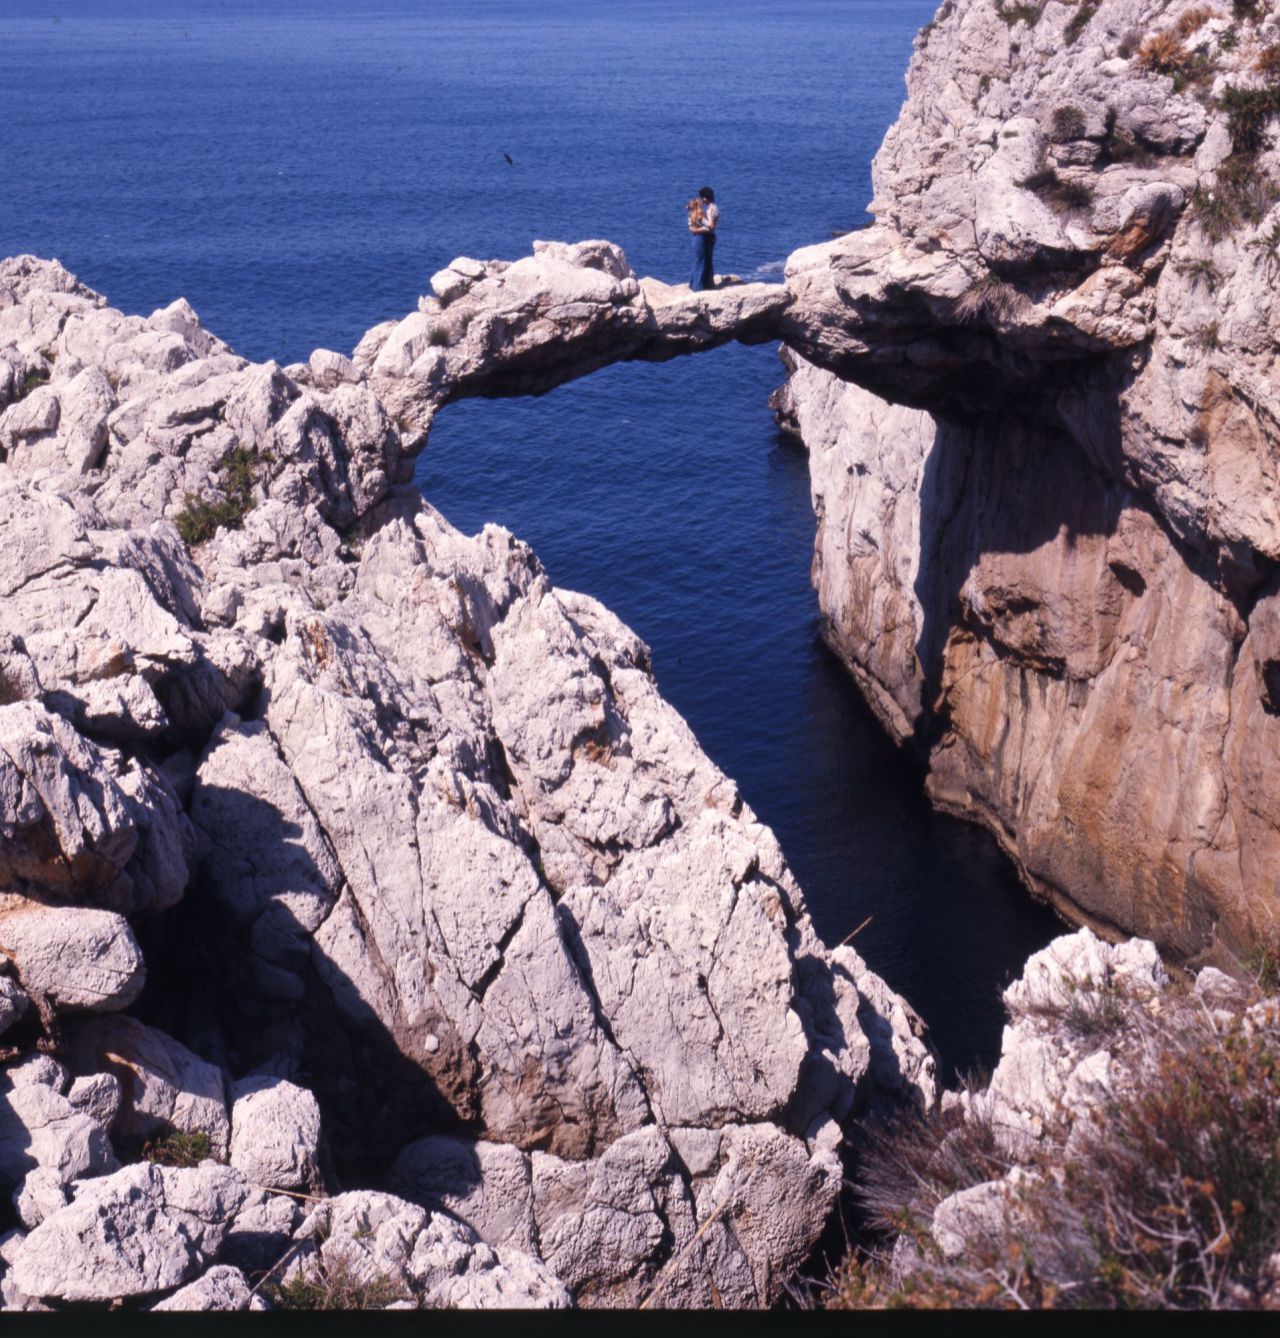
(1052, 565)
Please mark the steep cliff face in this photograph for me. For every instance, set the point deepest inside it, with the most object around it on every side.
(1050, 562)
(408, 869)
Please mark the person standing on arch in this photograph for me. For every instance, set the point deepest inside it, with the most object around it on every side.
(704, 215)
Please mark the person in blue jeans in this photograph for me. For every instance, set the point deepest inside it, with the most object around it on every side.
(704, 215)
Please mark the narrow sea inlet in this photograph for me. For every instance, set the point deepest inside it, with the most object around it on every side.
(299, 172)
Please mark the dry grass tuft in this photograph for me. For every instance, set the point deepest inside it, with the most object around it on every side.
(1162, 53)
(1168, 1196)
(1192, 20)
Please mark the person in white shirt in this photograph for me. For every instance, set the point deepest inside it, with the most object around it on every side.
(702, 223)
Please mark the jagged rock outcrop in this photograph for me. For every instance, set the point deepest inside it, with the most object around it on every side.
(521, 328)
(412, 844)
(1050, 562)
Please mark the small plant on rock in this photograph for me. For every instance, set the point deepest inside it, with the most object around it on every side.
(1067, 123)
(1268, 245)
(334, 1284)
(1065, 196)
(1080, 20)
(1207, 338)
(992, 299)
(1019, 13)
(1242, 193)
(1201, 271)
(1192, 20)
(1268, 62)
(1249, 112)
(1162, 53)
(438, 337)
(34, 378)
(200, 519)
(178, 1148)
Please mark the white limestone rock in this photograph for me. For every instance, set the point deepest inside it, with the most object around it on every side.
(275, 1133)
(221, 1288)
(13, 1002)
(42, 1193)
(144, 1229)
(77, 958)
(427, 1259)
(163, 1085)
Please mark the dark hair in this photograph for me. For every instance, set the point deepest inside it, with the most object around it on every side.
(708, 194)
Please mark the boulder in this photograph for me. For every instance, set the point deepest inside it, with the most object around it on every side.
(163, 1086)
(221, 1288)
(143, 1230)
(275, 1133)
(79, 959)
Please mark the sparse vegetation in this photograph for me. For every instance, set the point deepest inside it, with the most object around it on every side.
(984, 83)
(1019, 13)
(334, 1284)
(990, 299)
(1267, 62)
(438, 337)
(1169, 1198)
(177, 1148)
(1207, 338)
(1249, 112)
(1066, 123)
(1246, 9)
(1192, 20)
(1263, 964)
(943, 13)
(200, 519)
(1065, 196)
(1242, 193)
(1268, 244)
(37, 377)
(1228, 41)
(1080, 20)
(1200, 271)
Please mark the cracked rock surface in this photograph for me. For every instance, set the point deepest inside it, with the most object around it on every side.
(385, 844)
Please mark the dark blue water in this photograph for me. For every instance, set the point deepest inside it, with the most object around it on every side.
(298, 170)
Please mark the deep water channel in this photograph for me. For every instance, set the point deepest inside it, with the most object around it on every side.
(297, 169)
(668, 493)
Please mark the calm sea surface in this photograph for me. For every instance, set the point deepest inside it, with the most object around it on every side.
(298, 170)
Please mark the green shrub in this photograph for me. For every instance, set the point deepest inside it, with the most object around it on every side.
(200, 519)
(37, 377)
(438, 337)
(177, 1148)
(1249, 112)
(1019, 13)
(1241, 193)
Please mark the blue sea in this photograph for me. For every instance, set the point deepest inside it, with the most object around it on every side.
(298, 169)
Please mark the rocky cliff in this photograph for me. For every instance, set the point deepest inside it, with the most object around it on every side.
(342, 852)
(1040, 399)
